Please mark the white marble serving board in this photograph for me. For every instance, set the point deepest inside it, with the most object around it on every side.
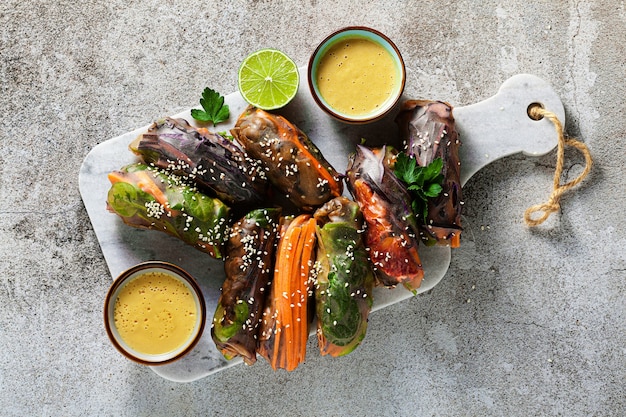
(489, 130)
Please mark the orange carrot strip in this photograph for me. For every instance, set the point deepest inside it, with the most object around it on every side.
(299, 276)
(307, 261)
(294, 348)
(299, 289)
(115, 177)
(288, 310)
(278, 289)
(281, 290)
(455, 241)
(147, 184)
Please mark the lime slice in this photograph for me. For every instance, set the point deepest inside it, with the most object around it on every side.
(268, 79)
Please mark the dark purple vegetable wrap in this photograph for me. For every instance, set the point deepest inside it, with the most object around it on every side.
(428, 129)
(249, 267)
(214, 163)
(295, 166)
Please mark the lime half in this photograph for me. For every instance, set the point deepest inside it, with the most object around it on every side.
(268, 79)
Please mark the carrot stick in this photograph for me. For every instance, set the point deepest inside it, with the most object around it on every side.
(148, 185)
(299, 275)
(115, 177)
(299, 290)
(203, 130)
(455, 241)
(288, 310)
(273, 310)
(280, 286)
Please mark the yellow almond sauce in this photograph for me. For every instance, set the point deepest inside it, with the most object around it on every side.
(155, 313)
(356, 76)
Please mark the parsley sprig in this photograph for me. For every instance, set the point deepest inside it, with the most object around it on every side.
(214, 109)
(422, 182)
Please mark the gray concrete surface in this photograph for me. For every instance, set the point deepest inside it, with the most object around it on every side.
(526, 322)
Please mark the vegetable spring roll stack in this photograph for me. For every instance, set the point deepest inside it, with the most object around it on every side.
(391, 233)
(295, 166)
(147, 198)
(216, 164)
(249, 267)
(344, 278)
(428, 128)
(285, 324)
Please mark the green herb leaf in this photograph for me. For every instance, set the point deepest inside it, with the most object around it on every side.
(433, 190)
(433, 170)
(422, 182)
(406, 169)
(215, 111)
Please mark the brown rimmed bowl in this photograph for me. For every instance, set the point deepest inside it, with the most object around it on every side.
(109, 308)
(342, 35)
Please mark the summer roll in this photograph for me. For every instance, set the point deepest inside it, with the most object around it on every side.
(148, 198)
(428, 129)
(392, 231)
(343, 278)
(216, 164)
(249, 266)
(294, 165)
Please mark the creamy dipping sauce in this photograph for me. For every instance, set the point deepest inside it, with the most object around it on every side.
(155, 313)
(357, 76)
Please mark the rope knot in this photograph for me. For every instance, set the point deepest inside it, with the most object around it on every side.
(536, 112)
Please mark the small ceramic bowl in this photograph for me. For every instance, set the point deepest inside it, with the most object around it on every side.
(144, 329)
(356, 75)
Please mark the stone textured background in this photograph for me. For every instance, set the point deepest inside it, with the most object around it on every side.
(526, 322)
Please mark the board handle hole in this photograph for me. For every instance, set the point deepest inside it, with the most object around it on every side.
(534, 111)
